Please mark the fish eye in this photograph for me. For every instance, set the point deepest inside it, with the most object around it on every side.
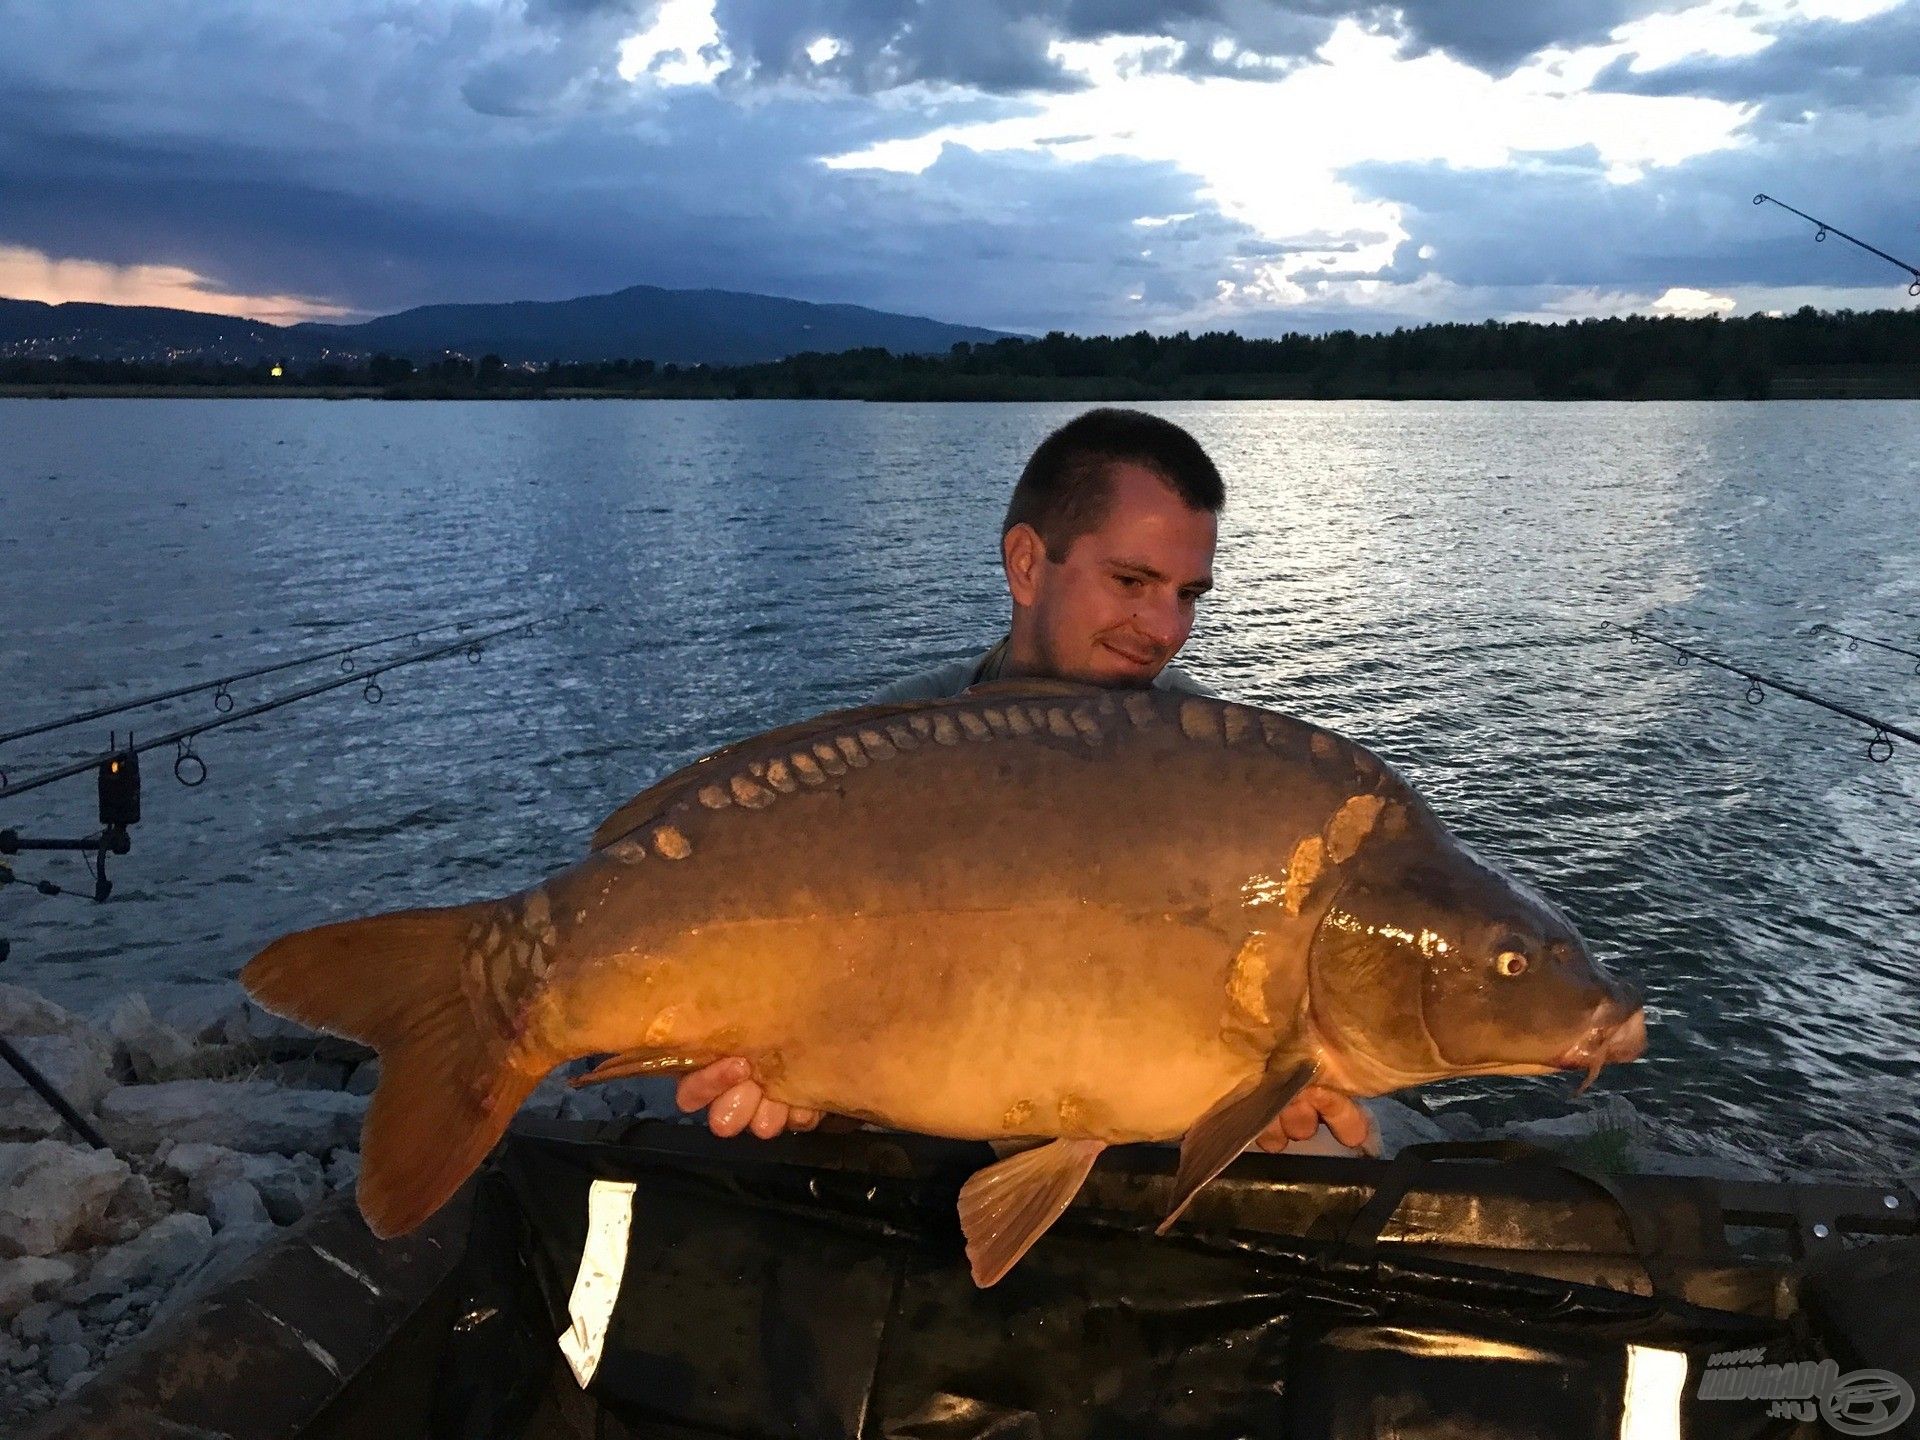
(1510, 963)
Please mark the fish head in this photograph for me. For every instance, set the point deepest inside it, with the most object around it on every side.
(1429, 964)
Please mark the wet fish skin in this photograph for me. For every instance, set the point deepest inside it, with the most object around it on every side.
(1033, 911)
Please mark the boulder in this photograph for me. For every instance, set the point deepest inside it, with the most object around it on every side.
(23, 1015)
(289, 1186)
(366, 1075)
(30, 1278)
(235, 1202)
(343, 1169)
(170, 1248)
(202, 1013)
(64, 1362)
(66, 1329)
(145, 1048)
(249, 1115)
(232, 1248)
(31, 1323)
(51, 1194)
(77, 1064)
(247, 1022)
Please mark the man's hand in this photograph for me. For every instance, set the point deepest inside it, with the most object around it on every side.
(734, 1101)
(1350, 1125)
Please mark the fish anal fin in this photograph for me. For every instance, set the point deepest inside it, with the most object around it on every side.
(629, 1063)
(1009, 1205)
(1230, 1126)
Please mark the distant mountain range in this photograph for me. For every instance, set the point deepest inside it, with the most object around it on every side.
(711, 327)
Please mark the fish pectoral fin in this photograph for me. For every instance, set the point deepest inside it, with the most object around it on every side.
(1009, 1205)
(640, 1062)
(1229, 1127)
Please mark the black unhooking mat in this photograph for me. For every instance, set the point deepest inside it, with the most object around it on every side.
(814, 1286)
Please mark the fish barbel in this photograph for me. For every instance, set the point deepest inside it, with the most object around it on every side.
(1037, 911)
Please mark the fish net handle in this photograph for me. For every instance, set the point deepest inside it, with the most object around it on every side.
(1360, 1242)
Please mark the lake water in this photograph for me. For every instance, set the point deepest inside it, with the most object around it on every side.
(1428, 578)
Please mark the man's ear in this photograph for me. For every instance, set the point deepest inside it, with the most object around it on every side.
(1022, 552)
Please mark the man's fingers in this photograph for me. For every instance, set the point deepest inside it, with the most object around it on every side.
(732, 1112)
(1300, 1119)
(1346, 1120)
(803, 1118)
(769, 1119)
(708, 1084)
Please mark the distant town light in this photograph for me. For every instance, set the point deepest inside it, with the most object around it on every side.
(276, 372)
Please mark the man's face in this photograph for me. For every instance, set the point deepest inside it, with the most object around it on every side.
(1120, 605)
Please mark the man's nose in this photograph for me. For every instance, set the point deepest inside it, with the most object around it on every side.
(1159, 620)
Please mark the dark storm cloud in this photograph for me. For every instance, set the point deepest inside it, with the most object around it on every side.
(366, 175)
(1811, 65)
(1002, 46)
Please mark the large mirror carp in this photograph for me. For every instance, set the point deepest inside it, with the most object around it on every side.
(1036, 912)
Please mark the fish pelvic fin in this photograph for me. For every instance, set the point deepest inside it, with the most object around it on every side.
(448, 1082)
(1009, 1205)
(1234, 1123)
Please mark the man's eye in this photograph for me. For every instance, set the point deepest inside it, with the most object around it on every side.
(1130, 582)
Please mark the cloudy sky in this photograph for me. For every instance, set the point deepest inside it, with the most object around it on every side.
(1091, 165)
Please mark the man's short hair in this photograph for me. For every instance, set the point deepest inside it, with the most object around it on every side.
(1066, 490)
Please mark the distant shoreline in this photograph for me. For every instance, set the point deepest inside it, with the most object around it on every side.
(1889, 384)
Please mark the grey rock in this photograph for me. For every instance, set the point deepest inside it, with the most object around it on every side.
(76, 1064)
(29, 1279)
(66, 1361)
(133, 1208)
(289, 1186)
(1458, 1124)
(202, 1013)
(548, 1099)
(343, 1169)
(23, 1015)
(249, 1115)
(232, 1249)
(175, 1245)
(307, 1073)
(75, 1382)
(366, 1075)
(235, 1202)
(66, 1329)
(1613, 1114)
(111, 1309)
(51, 1194)
(27, 1357)
(31, 1323)
(145, 1047)
(249, 1022)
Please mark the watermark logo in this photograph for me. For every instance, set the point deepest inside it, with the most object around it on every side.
(1860, 1402)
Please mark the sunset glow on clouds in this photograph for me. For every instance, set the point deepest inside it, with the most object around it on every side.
(1027, 164)
(29, 275)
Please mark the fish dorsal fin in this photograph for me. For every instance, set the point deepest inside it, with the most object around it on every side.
(1032, 685)
(654, 798)
(1009, 1205)
(1234, 1123)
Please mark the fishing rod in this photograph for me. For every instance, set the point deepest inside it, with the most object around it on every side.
(118, 772)
(222, 697)
(188, 763)
(1854, 642)
(1822, 228)
(1879, 748)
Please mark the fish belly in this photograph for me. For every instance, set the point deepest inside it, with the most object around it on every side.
(974, 1023)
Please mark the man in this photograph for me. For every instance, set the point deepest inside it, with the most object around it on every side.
(1107, 546)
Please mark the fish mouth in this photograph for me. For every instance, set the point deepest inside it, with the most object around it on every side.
(1616, 1033)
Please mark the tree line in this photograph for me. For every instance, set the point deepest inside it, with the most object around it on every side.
(1755, 357)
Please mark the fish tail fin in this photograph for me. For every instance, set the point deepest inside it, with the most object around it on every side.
(448, 1085)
